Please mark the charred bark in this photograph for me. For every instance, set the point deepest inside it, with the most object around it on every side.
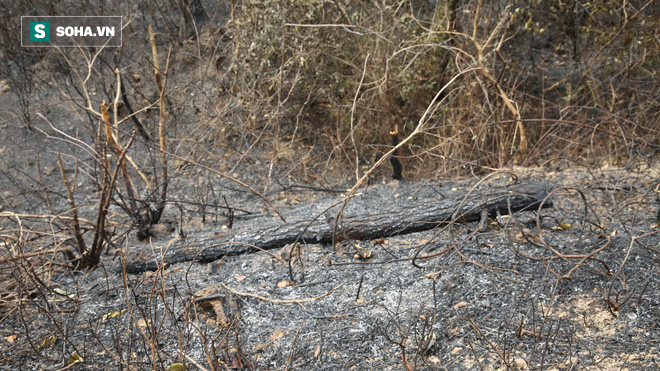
(308, 224)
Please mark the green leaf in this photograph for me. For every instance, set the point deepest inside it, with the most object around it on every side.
(177, 367)
(75, 358)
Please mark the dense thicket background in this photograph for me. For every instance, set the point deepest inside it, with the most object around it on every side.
(535, 81)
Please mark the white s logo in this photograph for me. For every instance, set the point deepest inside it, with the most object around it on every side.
(39, 31)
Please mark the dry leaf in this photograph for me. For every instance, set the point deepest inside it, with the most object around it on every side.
(236, 362)
(528, 236)
(317, 351)
(460, 305)
(519, 364)
(362, 253)
(429, 341)
(112, 314)
(75, 358)
(142, 323)
(519, 237)
(261, 347)
(11, 338)
(63, 292)
(239, 278)
(277, 334)
(47, 341)
(283, 284)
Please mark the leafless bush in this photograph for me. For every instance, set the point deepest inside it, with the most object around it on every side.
(548, 81)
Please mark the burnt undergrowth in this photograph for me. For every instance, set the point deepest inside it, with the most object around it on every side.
(212, 116)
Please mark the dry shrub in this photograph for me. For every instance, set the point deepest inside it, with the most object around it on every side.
(549, 80)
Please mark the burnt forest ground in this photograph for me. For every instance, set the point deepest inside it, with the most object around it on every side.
(255, 108)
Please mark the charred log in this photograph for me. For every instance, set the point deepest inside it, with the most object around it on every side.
(364, 222)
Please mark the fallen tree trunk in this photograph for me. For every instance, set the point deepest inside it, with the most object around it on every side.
(373, 214)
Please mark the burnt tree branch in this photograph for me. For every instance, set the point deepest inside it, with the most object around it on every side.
(379, 216)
